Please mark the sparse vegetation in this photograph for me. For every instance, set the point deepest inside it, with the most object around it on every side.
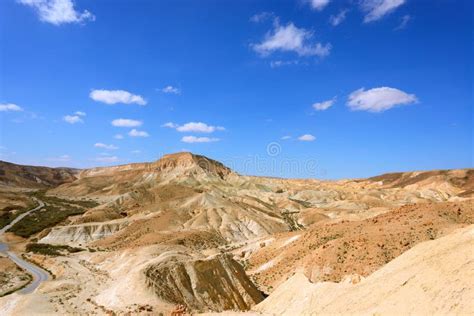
(51, 250)
(42, 219)
(8, 214)
(56, 211)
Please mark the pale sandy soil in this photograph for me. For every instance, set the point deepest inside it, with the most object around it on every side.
(11, 276)
(434, 277)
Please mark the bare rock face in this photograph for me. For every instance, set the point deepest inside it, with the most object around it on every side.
(215, 284)
(190, 163)
(75, 235)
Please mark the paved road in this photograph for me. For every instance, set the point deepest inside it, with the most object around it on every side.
(39, 275)
(19, 218)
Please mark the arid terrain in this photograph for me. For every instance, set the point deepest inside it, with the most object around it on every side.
(187, 233)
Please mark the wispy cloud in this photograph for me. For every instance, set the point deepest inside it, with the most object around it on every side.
(194, 139)
(137, 133)
(10, 107)
(170, 125)
(73, 119)
(280, 63)
(322, 106)
(118, 136)
(286, 137)
(105, 146)
(171, 90)
(197, 127)
(126, 123)
(306, 138)
(379, 99)
(337, 19)
(290, 38)
(318, 4)
(403, 22)
(377, 9)
(116, 96)
(260, 17)
(58, 11)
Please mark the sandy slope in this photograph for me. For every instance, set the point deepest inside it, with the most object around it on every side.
(434, 277)
(328, 251)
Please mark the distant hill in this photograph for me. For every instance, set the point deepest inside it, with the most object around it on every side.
(459, 178)
(14, 175)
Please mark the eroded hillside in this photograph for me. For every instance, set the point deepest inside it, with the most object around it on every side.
(188, 230)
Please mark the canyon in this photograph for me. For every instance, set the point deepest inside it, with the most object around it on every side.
(187, 233)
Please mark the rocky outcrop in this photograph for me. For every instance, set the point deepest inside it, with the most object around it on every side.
(214, 284)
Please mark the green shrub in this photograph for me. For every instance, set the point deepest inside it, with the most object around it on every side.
(47, 217)
(51, 250)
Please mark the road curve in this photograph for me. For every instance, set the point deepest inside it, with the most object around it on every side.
(19, 218)
(39, 275)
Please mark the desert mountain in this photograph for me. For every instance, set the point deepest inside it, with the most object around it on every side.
(13, 175)
(460, 179)
(187, 230)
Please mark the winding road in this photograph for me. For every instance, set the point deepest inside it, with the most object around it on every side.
(39, 275)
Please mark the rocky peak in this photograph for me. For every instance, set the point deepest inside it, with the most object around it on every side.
(186, 161)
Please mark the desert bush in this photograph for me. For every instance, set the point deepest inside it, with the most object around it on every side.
(51, 250)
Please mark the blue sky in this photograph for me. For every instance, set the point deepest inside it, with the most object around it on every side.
(317, 88)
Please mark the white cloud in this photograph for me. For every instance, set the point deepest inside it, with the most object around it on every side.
(286, 137)
(170, 125)
(80, 113)
(321, 106)
(197, 127)
(376, 9)
(318, 4)
(136, 152)
(116, 96)
(7, 107)
(73, 119)
(105, 146)
(126, 123)
(378, 99)
(58, 11)
(403, 22)
(337, 19)
(118, 136)
(107, 159)
(137, 133)
(306, 138)
(194, 139)
(289, 38)
(170, 90)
